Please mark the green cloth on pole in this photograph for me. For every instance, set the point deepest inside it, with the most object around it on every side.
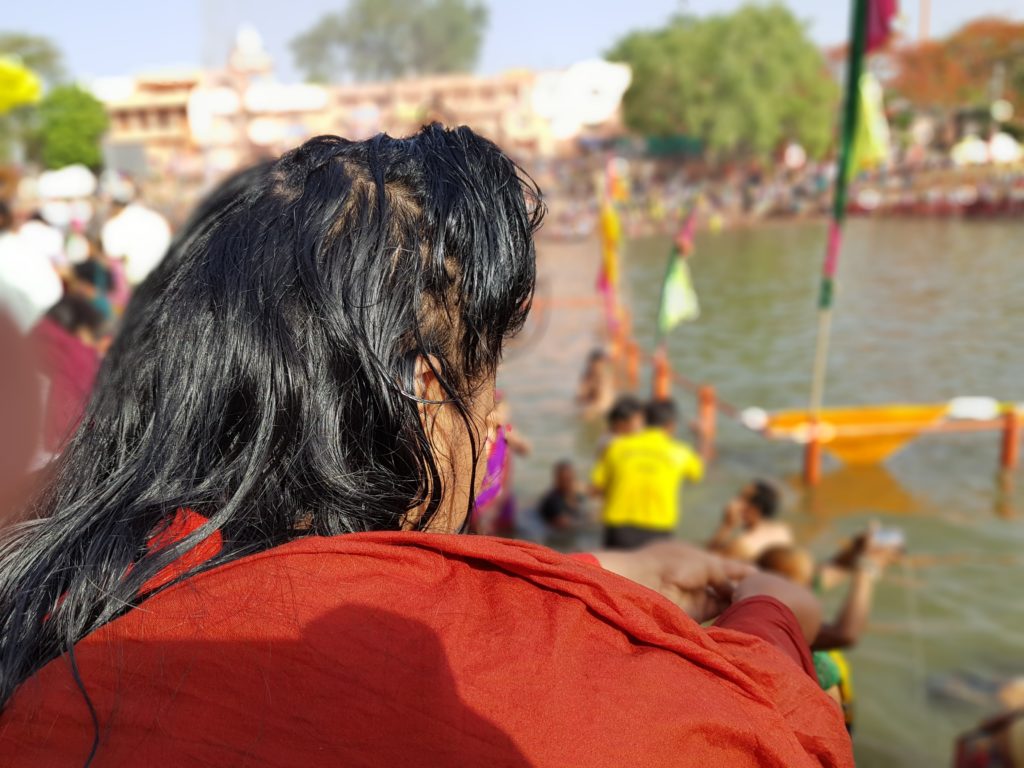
(678, 298)
(871, 133)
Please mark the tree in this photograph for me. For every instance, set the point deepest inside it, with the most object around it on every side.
(36, 53)
(387, 39)
(71, 123)
(742, 83)
(981, 61)
(43, 58)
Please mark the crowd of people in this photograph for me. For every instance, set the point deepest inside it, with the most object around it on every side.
(67, 270)
(638, 476)
(658, 196)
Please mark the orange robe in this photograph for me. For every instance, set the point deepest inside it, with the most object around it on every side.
(404, 649)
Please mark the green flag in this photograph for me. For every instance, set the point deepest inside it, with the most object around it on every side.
(871, 131)
(678, 298)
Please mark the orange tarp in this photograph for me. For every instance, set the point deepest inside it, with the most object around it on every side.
(861, 434)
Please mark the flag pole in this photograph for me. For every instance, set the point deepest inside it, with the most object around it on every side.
(854, 68)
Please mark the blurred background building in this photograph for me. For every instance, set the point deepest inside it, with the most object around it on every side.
(191, 127)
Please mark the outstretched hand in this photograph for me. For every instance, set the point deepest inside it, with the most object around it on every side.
(699, 582)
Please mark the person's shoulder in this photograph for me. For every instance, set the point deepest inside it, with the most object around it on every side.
(780, 531)
(744, 547)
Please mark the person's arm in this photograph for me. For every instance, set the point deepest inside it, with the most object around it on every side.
(799, 600)
(517, 443)
(601, 474)
(587, 389)
(839, 568)
(829, 576)
(694, 470)
(700, 583)
(777, 611)
(846, 628)
(721, 540)
(849, 623)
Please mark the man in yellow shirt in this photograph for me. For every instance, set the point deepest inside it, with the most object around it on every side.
(639, 476)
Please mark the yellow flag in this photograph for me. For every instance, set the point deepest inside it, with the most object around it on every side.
(19, 85)
(611, 234)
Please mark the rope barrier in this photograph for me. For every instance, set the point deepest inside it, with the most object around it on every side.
(628, 353)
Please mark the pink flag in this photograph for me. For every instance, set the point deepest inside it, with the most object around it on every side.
(880, 18)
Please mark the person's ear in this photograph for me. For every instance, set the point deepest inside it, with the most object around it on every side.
(491, 423)
(428, 390)
(426, 385)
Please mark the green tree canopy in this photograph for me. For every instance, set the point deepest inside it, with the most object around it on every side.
(71, 123)
(742, 83)
(981, 61)
(385, 39)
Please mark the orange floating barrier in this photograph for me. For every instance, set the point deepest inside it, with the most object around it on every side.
(707, 421)
(662, 379)
(1011, 439)
(858, 435)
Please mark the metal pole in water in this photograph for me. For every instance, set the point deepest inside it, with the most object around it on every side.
(1010, 453)
(706, 419)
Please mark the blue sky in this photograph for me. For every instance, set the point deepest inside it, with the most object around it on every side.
(122, 37)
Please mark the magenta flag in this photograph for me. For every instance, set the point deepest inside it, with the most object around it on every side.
(881, 14)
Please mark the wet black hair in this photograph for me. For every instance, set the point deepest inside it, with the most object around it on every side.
(661, 413)
(623, 409)
(264, 375)
(764, 498)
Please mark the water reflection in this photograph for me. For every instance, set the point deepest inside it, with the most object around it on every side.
(851, 491)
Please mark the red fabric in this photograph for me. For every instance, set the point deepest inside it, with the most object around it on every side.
(772, 621)
(70, 366)
(181, 525)
(420, 650)
(881, 15)
(585, 557)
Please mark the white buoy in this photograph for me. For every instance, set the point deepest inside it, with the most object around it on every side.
(974, 408)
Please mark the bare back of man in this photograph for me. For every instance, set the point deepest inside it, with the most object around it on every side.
(751, 544)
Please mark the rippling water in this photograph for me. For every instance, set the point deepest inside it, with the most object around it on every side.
(926, 310)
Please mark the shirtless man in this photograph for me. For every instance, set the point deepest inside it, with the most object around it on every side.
(596, 391)
(748, 526)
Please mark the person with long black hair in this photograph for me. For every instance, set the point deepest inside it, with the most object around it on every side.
(245, 554)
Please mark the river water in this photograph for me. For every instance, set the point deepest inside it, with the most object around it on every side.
(925, 311)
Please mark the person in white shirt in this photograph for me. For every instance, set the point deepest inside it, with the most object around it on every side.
(137, 235)
(29, 284)
(45, 240)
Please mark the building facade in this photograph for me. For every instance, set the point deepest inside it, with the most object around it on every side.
(191, 128)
